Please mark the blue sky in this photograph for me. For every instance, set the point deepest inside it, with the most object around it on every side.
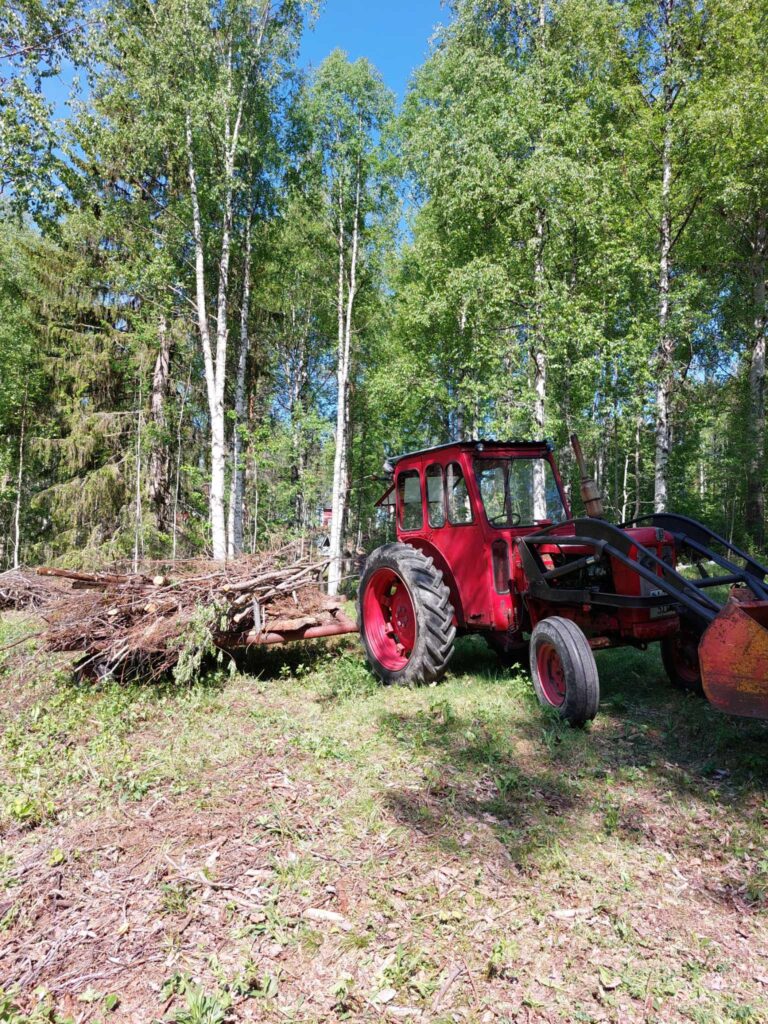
(393, 34)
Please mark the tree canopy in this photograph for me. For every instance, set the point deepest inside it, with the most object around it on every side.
(229, 287)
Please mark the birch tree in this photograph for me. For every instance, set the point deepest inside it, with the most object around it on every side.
(350, 110)
(666, 38)
(237, 54)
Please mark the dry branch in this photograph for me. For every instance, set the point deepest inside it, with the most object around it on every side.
(22, 589)
(139, 624)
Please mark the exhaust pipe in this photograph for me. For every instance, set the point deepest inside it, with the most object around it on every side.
(593, 502)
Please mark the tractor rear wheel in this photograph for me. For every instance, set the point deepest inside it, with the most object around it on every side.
(680, 657)
(563, 670)
(405, 616)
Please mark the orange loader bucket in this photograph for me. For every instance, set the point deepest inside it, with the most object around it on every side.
(733, 655)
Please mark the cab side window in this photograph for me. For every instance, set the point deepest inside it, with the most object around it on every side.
(435, 497)
(459, 507)
(409, 492)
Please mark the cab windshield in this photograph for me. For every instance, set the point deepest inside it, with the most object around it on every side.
(518, 492)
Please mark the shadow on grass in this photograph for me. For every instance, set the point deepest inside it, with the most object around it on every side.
(504, 761)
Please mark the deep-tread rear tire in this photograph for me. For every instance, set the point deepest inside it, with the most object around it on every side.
(408, 579)
(680, 657)
(563, 670)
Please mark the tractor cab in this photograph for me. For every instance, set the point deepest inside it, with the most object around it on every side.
(464, 505)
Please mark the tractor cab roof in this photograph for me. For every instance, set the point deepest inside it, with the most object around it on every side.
(513, 447)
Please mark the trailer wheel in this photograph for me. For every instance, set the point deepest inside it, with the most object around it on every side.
(563, 670)
(680, 657)
(405, 616)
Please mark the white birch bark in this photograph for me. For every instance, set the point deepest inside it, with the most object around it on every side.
(177, 488)
(159, 456)
(756, 466)
(638, 466)
(137, 530)
(237, 483)
(216, 365)
(19, 484)
(345, 312)
(665, 352)
(540, 352)
(539, 376)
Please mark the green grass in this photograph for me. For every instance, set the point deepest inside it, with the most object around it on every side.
(484, 858)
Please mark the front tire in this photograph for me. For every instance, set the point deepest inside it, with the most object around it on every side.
(405, 616)
(563, 670)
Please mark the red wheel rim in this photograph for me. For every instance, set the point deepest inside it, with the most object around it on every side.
(685, 656)
(551, 674)
(389, 619)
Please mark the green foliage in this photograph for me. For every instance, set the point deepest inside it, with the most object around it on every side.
(527, 156)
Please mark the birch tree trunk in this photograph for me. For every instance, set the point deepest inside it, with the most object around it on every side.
(19, 483)
(237, 484)
(540, 352)
(159, 456)
(665, 352)
(756, 460)
(345, 312)
(539, 376)
(638, 467)
(177, 486)
(215, 371)
(215, 407)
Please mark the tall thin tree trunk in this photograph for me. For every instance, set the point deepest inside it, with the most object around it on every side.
(539, 374)
(540, 351)
(177, 488)
(215, 394)
(341, 457)
(665, 352)
(638, 466)
(237, 483)
(216, 371)
(19, 483)
(159, 467)
(137, 516)
(756, 461)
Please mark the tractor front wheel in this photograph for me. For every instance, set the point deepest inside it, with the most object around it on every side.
(405, 616)
(680, 657)
(563, 670)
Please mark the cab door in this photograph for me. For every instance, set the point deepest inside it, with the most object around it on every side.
(454, 538)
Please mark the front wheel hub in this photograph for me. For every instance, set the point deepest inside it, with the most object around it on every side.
(551, 674)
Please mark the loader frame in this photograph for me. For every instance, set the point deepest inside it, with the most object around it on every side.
(689, 596)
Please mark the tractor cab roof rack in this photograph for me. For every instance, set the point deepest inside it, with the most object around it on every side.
(477, 444)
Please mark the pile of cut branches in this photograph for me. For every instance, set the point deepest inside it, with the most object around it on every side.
(24, 590)
(140, 624)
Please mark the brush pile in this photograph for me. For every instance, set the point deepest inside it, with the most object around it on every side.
(24, 590)
(139, 624)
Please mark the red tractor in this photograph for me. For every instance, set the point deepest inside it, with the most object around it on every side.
(487, 545)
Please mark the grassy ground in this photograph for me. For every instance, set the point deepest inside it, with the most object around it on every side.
(298, 844)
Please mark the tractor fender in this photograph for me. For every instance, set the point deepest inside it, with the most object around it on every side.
(432, 552)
